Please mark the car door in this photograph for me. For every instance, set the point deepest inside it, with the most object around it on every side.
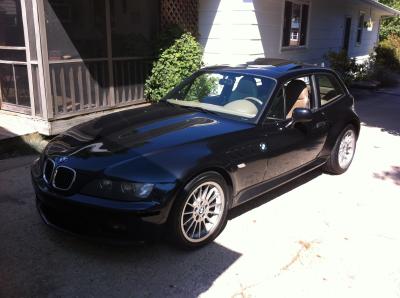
(290, 147)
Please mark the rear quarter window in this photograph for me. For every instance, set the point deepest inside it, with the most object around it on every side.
(329, 88)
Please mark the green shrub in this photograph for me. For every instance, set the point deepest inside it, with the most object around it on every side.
(384, 75)
(174, 65)
(344, 66)
(390, 25)
(369, 70)
(386, 53)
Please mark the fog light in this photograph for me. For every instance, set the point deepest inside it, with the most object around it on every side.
(113, 227)
(128, 188)
(106, 184)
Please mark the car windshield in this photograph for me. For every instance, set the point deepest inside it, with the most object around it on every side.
(231, 95)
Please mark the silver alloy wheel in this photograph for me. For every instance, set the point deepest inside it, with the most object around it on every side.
(202, 211)
(346, 150)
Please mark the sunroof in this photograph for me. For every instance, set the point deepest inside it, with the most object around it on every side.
(272, 62)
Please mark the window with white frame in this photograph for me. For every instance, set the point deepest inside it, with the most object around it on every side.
(360, 27)
(295, 24)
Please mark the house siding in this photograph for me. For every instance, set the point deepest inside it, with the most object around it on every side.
(238, 31)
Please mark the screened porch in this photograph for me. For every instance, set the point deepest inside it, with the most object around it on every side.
(60, 58)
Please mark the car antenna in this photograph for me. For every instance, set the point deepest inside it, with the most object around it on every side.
(291, 59)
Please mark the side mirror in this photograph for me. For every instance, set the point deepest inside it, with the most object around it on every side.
(300, 115)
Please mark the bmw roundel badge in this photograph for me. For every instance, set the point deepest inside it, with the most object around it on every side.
(62, 159)
(263, 147)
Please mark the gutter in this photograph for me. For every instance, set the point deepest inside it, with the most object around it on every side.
(389, 17)
(380, 6)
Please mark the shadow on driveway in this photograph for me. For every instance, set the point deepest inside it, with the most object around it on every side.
(273, 194)
(379, 110)
(37, 261)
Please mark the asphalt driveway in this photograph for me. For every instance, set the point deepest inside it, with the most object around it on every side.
(317, 236)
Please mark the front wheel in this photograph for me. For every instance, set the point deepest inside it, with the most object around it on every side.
(199, 213)
(343, 153)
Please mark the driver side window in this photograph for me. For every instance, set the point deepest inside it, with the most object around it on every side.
(277, 111)
(296, 93)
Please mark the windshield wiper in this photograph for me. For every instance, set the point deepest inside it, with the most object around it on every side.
(203, 110)
(170, 103)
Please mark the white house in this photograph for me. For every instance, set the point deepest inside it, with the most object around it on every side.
(238, 31)
(63, 62)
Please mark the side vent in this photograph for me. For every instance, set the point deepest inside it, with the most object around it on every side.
(242, 152)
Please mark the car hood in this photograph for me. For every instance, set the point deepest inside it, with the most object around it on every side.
(122, 136)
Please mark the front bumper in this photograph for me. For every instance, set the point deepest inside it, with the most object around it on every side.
(105, 221)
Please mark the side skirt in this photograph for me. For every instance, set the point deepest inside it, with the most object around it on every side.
(266, 186)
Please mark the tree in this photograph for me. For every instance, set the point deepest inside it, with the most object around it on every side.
(390, 25)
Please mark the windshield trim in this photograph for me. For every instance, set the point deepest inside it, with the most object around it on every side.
(256, 119)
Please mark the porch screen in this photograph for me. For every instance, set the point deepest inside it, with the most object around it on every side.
(11, 28)
(14, 85)
(99, 52)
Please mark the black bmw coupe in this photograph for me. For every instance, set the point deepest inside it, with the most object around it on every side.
(222, 137)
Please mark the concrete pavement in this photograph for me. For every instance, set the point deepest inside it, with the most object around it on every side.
(317, 236)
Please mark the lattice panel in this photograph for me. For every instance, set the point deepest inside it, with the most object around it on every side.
(184, 12)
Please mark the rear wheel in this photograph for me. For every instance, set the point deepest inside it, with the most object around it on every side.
(343, 153)
(199, 212)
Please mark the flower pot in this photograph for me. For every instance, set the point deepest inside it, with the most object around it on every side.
(369, 28)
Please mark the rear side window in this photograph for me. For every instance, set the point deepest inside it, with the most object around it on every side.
(329, 88)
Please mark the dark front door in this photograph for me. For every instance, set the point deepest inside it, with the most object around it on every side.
(347, 34)
(292, 147)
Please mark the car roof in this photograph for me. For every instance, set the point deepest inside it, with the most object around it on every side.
(270, 67)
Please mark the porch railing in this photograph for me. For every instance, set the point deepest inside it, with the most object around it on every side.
(79, 86)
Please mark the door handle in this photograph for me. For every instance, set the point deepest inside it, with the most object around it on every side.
(321, 125)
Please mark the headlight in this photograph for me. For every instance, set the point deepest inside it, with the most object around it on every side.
(118, 190)
(139, 190)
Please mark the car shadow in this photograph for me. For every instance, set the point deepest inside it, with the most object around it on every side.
(151, 269)
(273, 194)
(58, 264)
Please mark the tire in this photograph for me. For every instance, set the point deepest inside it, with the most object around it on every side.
(343, 152)
(198, 214)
